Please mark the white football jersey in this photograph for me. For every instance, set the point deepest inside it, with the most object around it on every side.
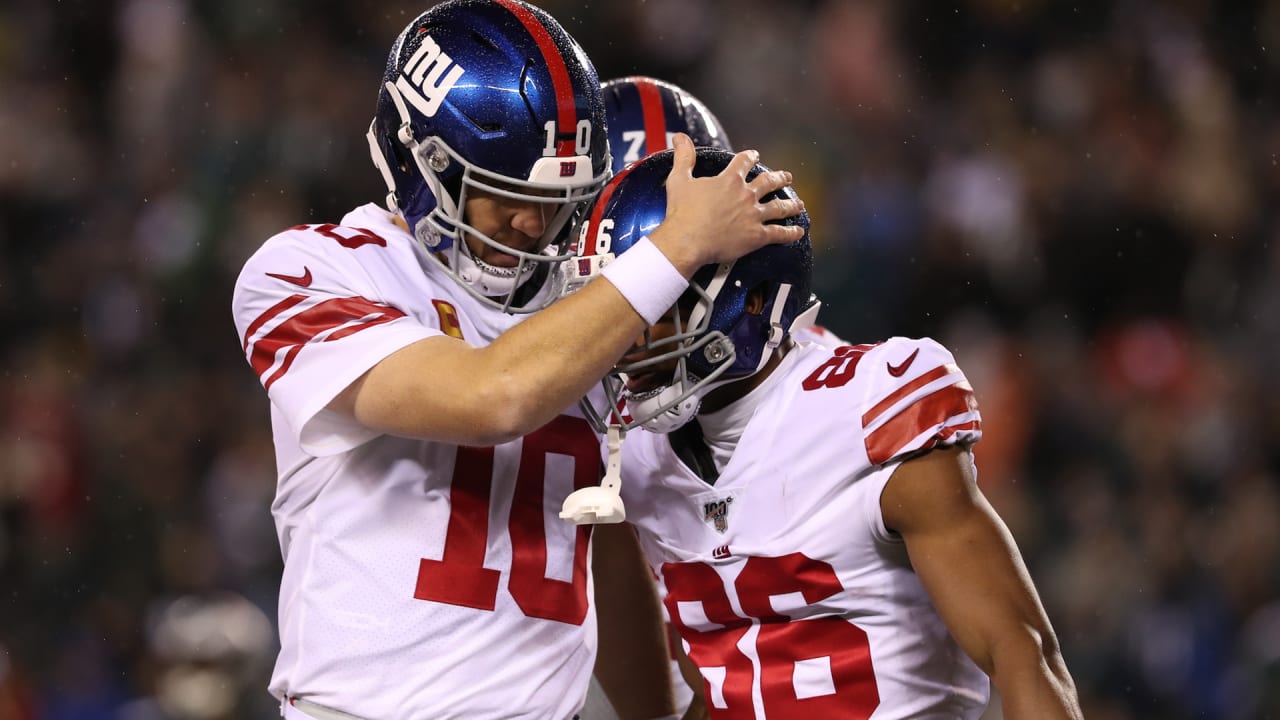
(817, 334)
(421, 579)
(789, 593)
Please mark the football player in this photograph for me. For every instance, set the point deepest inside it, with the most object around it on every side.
(643, 115)
(814, 512)
(424, 416)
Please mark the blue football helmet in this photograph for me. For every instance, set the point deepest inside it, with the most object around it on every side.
(492, 96)
(644, 112)
(717, 339)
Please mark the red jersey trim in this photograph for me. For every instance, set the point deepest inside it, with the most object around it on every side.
(326, 318)
(903, 392)
(944, 410)
(271, 312)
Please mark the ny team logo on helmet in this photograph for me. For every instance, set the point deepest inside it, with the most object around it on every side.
(644, 112)
(717, 338)
(491, 96)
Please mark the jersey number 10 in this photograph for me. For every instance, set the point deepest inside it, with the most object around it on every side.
(460, 577)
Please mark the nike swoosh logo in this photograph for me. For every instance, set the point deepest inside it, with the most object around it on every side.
(897, 370)
(303, 280)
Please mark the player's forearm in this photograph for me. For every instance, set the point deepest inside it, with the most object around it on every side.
(1033, 681)
(697, 709)
(632, 665)
(447, 390)
(547, 362)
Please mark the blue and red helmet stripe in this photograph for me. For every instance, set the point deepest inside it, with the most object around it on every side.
(655, 123)
(567, 116)
(597, 211)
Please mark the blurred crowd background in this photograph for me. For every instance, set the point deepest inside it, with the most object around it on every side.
(1081, 200)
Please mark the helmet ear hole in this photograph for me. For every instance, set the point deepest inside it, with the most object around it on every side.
(755, 300)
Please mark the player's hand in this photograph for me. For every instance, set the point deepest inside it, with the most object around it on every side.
(721, 218)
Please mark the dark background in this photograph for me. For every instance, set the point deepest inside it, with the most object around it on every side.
(1079, 199)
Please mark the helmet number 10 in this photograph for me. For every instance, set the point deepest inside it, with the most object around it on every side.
(581, 138)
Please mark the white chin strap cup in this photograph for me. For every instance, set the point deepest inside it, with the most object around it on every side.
(593, 505)
(600, 504)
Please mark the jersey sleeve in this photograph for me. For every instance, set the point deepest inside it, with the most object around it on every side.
(916, 398)
(311, 322)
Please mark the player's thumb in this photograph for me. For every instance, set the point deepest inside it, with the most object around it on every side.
(685, 155)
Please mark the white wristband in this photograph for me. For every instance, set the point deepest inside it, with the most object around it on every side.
(647, 279)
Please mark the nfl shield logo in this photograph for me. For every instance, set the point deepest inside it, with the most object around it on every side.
(567, 168)
(716, 512)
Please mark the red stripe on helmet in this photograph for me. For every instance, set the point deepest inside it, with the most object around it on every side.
(655, 123)
(567, 120)
(597, 211)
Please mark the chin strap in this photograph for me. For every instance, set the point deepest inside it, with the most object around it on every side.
(404, 136)
(776, 331)
(612, 480)
(380, 162)
(600, 504)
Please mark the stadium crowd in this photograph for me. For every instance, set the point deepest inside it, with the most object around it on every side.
(1079, 199)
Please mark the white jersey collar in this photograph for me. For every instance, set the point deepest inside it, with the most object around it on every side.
(723, 428)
